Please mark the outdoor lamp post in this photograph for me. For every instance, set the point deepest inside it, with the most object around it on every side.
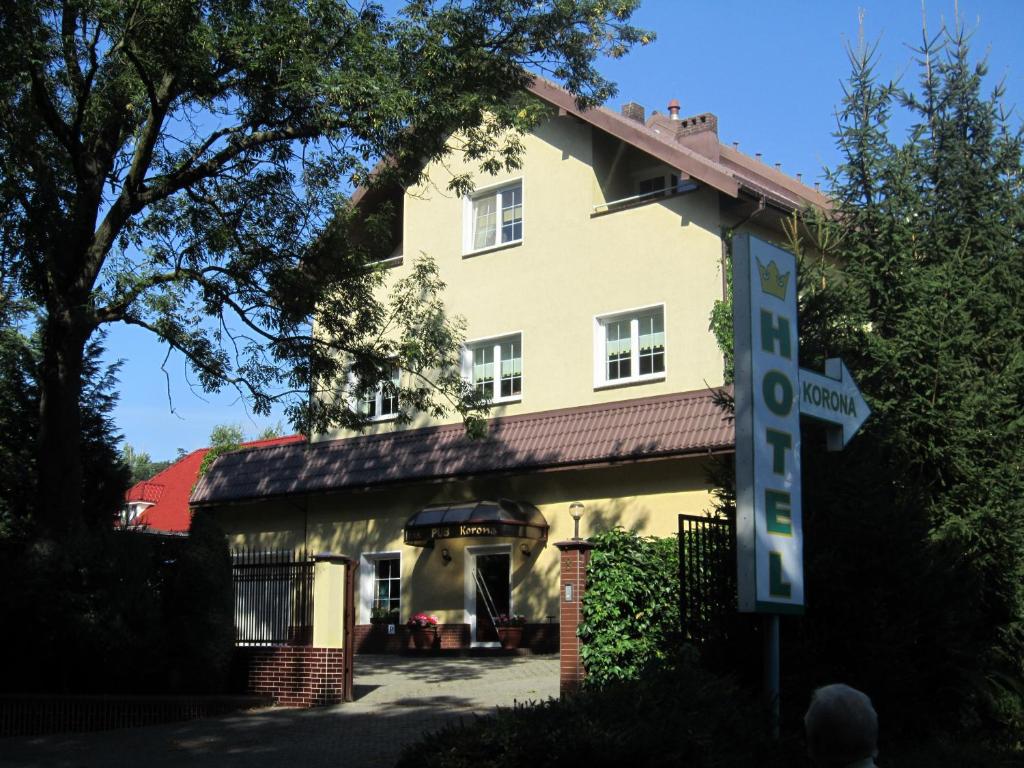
(576, 510)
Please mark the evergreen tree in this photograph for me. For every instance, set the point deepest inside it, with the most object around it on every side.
(108, 476)
(915, 533)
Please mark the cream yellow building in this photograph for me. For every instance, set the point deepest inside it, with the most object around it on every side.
(586, 279)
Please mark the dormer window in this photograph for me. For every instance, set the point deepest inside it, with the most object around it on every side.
(494, 218)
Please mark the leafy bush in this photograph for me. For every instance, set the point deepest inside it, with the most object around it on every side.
(624, 722)
(199, 610)
(630, 607)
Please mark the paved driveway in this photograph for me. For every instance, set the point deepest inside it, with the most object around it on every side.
(397, 699)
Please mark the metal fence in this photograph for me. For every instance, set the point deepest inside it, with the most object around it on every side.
(707, 576)
(273, 593)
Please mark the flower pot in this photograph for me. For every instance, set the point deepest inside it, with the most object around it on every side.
(423, 637)
(510, 637)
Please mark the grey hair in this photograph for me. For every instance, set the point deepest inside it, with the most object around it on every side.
(841, 726)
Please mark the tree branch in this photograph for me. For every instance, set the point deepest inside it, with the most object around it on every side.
(52, 118)
(126, 203)
(186, 176)
(70, 51)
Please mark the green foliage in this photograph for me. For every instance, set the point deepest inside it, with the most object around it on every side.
(226, 435)
(681, 717)
(122, 612)
(914, 535)
(224, 438)
(199, 610)
(720, 321)
(631, 606)
(103, 496)
(139, 463)
(186, 168)
(923, 302)
(19, 403)
(271, 431)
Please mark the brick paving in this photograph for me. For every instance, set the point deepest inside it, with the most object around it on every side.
(398, 698)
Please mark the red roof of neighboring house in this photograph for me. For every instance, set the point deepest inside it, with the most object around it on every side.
(168, 491)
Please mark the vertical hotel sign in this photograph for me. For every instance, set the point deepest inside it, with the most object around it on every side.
(769, 532)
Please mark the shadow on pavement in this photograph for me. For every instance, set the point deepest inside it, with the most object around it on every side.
(397, 703)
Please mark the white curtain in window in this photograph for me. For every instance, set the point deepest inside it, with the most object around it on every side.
(485, 221)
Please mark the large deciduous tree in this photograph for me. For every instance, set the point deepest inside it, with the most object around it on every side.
(171, 164)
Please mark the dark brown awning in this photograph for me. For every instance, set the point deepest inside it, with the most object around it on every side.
(493, 519)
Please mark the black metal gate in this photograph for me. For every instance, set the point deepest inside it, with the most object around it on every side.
(707, 578)
(273, 593)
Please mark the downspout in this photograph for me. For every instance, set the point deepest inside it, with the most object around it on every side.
(727, 241)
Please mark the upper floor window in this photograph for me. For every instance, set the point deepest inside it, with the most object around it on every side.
(382, 403)
(495, 217)
(495, 367)
(629, 346)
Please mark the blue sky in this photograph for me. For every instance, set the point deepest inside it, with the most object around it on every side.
(771, 72)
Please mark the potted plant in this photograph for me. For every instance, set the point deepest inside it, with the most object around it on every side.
(423, 628)
(510, 630)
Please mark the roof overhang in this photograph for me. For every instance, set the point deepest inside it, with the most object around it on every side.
(676, 155)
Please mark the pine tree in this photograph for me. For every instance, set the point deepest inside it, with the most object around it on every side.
(915, 534)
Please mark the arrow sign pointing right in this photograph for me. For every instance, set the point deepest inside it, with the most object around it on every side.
(835, 399)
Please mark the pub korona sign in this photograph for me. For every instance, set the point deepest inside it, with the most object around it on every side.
(424, 535)
(503, 518)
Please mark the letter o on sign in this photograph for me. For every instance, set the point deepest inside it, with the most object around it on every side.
(777, 390)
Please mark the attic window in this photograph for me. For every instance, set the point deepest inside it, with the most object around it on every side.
(648, 190)
(655, 184)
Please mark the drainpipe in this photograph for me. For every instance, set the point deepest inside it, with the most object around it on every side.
(761, 205)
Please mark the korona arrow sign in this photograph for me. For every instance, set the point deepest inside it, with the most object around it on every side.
(834, 399)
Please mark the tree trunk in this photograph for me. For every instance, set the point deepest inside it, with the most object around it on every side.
(59, 471)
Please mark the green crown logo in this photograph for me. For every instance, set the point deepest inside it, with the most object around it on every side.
(772, 282)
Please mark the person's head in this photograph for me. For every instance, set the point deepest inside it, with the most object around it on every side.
(841, 726)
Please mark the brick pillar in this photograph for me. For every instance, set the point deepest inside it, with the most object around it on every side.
(573, 583)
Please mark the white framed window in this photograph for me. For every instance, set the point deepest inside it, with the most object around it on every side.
(494, 367)
(380, 588)
(494, 217)
(629, 346)
(382, 403)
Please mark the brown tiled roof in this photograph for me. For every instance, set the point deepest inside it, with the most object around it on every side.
(625, 431)
(727, 170)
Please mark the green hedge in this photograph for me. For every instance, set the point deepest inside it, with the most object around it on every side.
(631, 606)
(681, 717)
(119, 612)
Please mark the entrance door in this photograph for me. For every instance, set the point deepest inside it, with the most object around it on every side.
(489, 593)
